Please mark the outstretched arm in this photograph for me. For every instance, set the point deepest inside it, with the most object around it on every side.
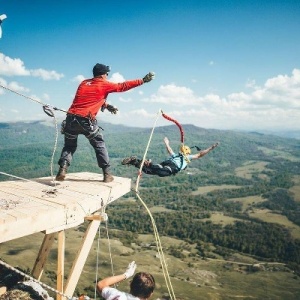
(204, 152)
(167, 143)
(117, 278)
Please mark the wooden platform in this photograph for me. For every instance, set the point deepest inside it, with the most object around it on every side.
(27, 207)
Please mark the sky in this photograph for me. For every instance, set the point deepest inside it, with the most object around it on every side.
(230, 65)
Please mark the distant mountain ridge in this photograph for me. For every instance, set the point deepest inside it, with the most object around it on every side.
(124, 128)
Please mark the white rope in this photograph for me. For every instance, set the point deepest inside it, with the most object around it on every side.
(29, 98)
(54, 149)
(50, 190)
(146, 151)
(37, 281)
(156, 234)
(109, 251)
(97, 263)
(49, 108)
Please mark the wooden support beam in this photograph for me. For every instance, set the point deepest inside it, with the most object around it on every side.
(45, 248)
(81, 257)
(60, 263)
(95, 217)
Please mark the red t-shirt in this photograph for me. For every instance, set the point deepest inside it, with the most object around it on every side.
(92, 93)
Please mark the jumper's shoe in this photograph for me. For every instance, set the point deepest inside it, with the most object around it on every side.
(132, 160)
(108, 178)
(62, 172)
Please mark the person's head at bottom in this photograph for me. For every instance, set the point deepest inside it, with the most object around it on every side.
(142, 285)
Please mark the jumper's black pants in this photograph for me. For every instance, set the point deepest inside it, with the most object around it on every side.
(76, 125)
(165, 168)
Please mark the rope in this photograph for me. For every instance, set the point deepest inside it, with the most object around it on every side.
(177, 123)
(97, 263)
(36, 281)
(32, 99)
(145, 154)
(49, 111)
(49, 191)
(109, 250)
(156, 234)
(97, 257)
(160, 252)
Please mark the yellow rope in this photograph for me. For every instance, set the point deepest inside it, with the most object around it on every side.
(156, 234)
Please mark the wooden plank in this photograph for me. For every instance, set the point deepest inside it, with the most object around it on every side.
(81, 257)
(27, 207)
(60, 263)
(40, 262)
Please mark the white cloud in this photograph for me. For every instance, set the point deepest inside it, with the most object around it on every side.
(15, 67)
(117, 77)
(121, 99)
(78, 79)
(13, 85)
(274, 105)
(133, 118)
(172, 94)
(12, 67)
(46, 75)
(251, 84)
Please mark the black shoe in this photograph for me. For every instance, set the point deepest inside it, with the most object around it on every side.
(132, 160)
(108, 178)
(62, 172)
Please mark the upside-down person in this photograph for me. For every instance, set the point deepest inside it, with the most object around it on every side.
(81, 117)
(171, 166)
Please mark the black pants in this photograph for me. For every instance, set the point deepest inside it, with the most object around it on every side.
(165, 168)
(76, 125)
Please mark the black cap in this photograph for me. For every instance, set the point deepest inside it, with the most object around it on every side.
(100, 69)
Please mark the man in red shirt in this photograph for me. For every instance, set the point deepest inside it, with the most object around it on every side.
(81, 117)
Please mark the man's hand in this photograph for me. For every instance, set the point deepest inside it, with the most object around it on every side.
(112, 109)
(130, 270)
(149, 77)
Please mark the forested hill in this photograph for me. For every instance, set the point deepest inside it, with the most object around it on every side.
(26, 148)
(252, 180)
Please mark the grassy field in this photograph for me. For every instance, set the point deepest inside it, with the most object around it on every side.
(279, 153)
(296, 188)
(247, 201)
(220, 218)
(252, 167)
(191, 276)
(206, 189)
(267, 216)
